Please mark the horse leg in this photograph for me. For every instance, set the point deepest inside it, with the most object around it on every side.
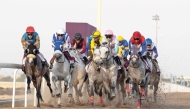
(38, 94)
(123, 92)
(127, 87)
(100, 97)
(155, 92)
(66, 83)
(91, 90)
(28, 83)
(59, 93)
(47, 78)
(81, 82)
(113, 86)
(76, 93)
(138, 95)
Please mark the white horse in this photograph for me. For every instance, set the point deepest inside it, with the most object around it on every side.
(62, 71)
(79, 75)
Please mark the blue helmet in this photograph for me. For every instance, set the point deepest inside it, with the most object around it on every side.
(148, 41)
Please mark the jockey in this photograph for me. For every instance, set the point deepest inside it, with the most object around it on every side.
(88, 44)
(138, 39)
(80, 44)
(123, 45)
(31, 37)
(62, 36)
(112, 39)
(96, 40)
(151, 48)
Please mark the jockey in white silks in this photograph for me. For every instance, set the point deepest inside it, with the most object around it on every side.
(80, 44)
(63, 37)
(113, 41)
(151, 48)
(31, 37)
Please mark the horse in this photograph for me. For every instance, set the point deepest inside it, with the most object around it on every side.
(80, 73)
(154, 78)
(95, 78)
(109, 69)
(62, 71)
(137, 75)
(34, 71)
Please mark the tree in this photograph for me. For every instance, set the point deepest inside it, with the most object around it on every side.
(7, 78)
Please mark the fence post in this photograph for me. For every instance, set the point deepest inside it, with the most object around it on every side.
(26, 97)
(14, 87)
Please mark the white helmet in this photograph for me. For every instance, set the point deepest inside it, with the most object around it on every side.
(60, 31)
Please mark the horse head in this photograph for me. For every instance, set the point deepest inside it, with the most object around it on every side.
(134, 56)
(31, 54)
(105, 51)
(58, 49)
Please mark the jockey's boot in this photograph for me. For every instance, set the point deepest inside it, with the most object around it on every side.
(147, 65)
(51, 62)
(85, 59)
(117, 60)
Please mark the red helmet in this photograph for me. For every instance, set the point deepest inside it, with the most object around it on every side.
(136, 34)
(30, 29)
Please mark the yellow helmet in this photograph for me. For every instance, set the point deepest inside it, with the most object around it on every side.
(120, 38)
(96, 34)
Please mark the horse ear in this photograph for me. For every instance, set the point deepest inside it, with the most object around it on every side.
(104, 43)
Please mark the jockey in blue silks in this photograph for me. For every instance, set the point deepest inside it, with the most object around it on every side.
(61, 41)
(31, 37)
(151, 49)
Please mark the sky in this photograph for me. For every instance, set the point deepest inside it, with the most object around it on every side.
(122, 16)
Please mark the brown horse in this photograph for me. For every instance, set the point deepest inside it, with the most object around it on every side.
(35, 70)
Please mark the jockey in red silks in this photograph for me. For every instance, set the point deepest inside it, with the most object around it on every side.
(80, 44)
(138, 39)
(31, 37)
(62, 37)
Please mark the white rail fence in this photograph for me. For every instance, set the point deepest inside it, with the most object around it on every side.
(17, 67)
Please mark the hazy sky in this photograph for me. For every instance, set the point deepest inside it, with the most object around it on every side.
(122, 16)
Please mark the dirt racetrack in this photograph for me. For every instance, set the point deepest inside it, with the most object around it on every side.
(175, 100)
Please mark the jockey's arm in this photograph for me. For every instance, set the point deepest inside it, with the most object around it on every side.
(83, 47)
(24, 42)
(116, 46)
(155, 51)
(92, 46)
(72, 43)
(143, 51)
(67, 43)
(37, 43)
(126, 48)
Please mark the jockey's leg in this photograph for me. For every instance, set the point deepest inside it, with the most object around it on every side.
(71, 59)
(83, 56)
(157, 66)
(118, 61)
(51, 62)
(147, 65)
(43, 59)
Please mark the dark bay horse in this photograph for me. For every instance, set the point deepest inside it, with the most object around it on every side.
(35, 70)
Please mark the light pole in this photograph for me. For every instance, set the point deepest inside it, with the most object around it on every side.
(99, 15)
(156, 17)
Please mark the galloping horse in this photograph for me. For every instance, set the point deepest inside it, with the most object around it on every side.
(34, 71)
(80, 74)
(109, 69)
(95, 77)
(137, 75)
(62, 71)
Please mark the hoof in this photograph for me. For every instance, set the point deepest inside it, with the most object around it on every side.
(92, 104)
(28, 91)
(58, 106)
(112, 95)
(65, 90)
(58, 95)
(38, 106)
(70, 95)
